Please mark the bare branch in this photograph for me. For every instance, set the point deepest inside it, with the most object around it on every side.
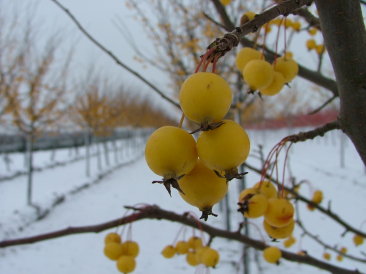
(307, 135)
(232, 39)
(309, 17)
(154, 212)
(312, 76)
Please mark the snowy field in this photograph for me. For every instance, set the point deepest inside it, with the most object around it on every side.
(319, 161)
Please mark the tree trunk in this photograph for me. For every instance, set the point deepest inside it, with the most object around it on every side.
(115, 150)
(30, 140)
(106, 152)
(99, 156)
(345, 39)
(87, 153)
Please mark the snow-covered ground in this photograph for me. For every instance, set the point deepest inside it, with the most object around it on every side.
(318, 161)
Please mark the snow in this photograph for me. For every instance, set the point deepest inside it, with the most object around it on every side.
(317, 161)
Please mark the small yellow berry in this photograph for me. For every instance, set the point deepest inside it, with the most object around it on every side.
(310, 44)
(168, 251)
(182, 247)
(112, 238)
(225, 2)
(312, 31)
(272, 254)
(358, 240)
(326, 256)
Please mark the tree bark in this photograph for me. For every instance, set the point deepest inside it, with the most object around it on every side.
(345, 39)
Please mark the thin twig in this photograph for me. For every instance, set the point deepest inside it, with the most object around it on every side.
(327, 246)
(327, 102)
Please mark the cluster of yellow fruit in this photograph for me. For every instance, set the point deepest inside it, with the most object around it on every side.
(124, 253)
(357, 240)
(200, 169)
(262, 200)
(342, 251)
(287, 23)
(194, 250)
(312, 45)
(260, 75)
(317, 199)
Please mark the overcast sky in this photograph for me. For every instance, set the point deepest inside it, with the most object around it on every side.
(98, 17)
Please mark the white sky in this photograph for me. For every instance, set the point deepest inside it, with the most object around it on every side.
(97, 17)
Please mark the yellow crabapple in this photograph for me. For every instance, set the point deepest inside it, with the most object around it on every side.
(171, 152)
(168, 251)
(130, 248)
(252, 203)
(279, 232)
(113, 250)
(312, 31)
(205, 98)
(246, 17)
(195, 242)
(245, 55)
(126, 264)
(326, 256)
(181, 247)
(225, 147)
(202, 188)
(272, 254)
(317, 197)
(266, 188)
(280, 212)
(357, 240)
(310, 44)
(112, 237)
(225, 2)
(320, 49)
(191, 258)
(210, 257)
(287, 67)
(289, 241)
(276, 86)
(258, 74)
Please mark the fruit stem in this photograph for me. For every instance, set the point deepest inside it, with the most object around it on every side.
(207, 212)
(277, 40)
(284, 171)
(182, 229)
(181, 121)
(204, 58)
(284, 36)
(199, 225)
